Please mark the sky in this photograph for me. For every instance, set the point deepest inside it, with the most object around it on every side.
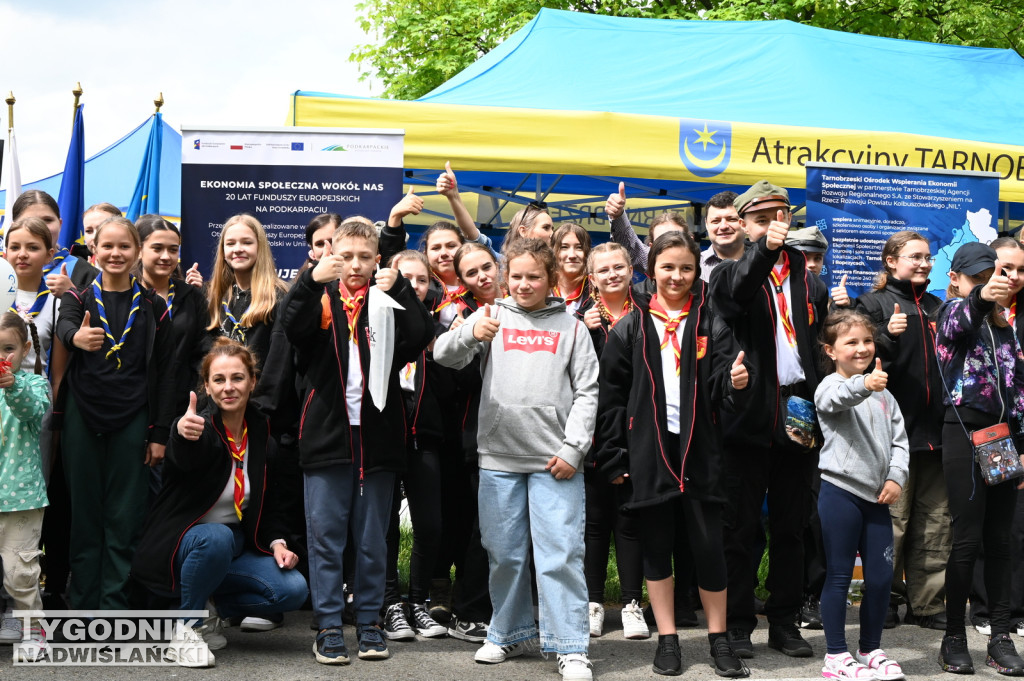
(217, 62)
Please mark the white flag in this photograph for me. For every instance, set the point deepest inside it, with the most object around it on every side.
(381, 316)
(12, 179)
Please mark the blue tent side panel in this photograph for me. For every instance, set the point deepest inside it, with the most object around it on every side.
(775, 72)
(110, 175)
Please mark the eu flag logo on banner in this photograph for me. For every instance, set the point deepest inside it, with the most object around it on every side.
(297, 146)
(705, 146)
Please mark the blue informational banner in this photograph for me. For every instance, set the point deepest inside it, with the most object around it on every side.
(284, 177)
(857, 208)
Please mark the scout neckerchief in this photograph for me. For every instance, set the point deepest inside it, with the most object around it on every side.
(1011, 312)
(237, 331)
(572, 297)
(97, 292)
(778, 275)
(170, 297)
(612, 319)
(353, 304)
(451, 297)
(238, 450)
(58, 259)
(671, 324)
(37, 303)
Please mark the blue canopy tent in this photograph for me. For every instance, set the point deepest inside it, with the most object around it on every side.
(111, 174)
(572, 102)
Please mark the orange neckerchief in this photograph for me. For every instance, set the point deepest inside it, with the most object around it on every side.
(238, 454)
(671, 324)
(626, 309)
(352, 304)
(778, 275)
(572, 297)
(450, 297)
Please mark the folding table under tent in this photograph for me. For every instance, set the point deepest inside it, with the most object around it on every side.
(681, 110)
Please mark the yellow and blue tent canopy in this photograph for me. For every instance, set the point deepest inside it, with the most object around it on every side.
(573, 101)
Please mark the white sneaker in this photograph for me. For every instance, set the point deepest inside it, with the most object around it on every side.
(260, 624)
(575, 666)
(984, 627)
(633, 624)
(425, 624)
(492, 653)
(883, 668)
(596, 611)
(188, 649)
(1019, 626)
(33, 648)
(10, 628)
(844, 668)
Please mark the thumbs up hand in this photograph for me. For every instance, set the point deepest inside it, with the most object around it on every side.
(409, 205)
(839, 294)
(193, 276)
(616, 203)
(329, 267)
(191, 425)
(877, 379)
(777, 231)
(486, 328)
(898, 321)
(59, 283)
(386, 278)
(447, 186)
(87, 337)
(738, 374)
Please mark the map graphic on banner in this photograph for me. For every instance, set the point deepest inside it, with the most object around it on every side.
(858, 208)
(284, 177)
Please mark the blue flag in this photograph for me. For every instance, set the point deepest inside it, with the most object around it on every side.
(146, 198)
(72, 185)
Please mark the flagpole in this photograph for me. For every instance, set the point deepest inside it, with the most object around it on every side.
(159, 101)
(77, 92)
(10, 110)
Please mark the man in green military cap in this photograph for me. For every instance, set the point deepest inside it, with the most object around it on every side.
(775, 308)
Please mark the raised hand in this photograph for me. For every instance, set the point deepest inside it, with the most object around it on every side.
(877, 379)
(447, 186)
(777, 231)
(409, 205)
(191, 425)
(87, 337)
(329, 267)
(997, 288)
(616, 203)
(738, 373)
(59, 284)
(839, 295)
(898, 321)
(592, 318)
(486, 328)
(386, 277)
(193, 276)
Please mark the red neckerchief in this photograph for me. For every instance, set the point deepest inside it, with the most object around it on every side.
(352, 304)
(671, 324)
(572, 297)
(1011, 312)
(613, 320)
(450, 297)
(778, 275)
(238, 454)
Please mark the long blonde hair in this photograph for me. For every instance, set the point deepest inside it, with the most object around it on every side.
(265, 283)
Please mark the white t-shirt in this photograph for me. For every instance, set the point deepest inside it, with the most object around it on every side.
(449, 311)
(44, 322)
(407, 377)
(354, 384)
(223, 510)
(787, 357)
(668, 371)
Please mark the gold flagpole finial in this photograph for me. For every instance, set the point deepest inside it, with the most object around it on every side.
(159, 101)
(10, 110)
(77, 92)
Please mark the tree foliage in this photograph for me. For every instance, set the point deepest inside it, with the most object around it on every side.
(423, 43)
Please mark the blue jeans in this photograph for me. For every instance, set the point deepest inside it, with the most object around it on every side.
(212, 561)
(515, 507)
(337, 506)
(850, 524)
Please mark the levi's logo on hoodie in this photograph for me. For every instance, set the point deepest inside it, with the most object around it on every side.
(529, 340)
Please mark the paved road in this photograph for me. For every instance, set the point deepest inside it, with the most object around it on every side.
(285, 654)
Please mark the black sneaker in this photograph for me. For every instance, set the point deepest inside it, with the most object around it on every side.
(936, 621)
(474, 632)
(425, 624)
(396, 624)
(668, 659)
(371, 643)
(740, 642)
(810, 613)
(1003, 657)
(954, 656)
(440, 599)
(892, 617)
(329, 647)
(787, 640)
(725, 660)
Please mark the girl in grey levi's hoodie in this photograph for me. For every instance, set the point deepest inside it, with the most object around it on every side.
(538, 407)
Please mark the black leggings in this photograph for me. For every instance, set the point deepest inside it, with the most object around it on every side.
(980, 514)
(422, 482)
(684, 519)
(603, 518)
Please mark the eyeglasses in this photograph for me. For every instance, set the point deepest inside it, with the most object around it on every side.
(918, 259)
